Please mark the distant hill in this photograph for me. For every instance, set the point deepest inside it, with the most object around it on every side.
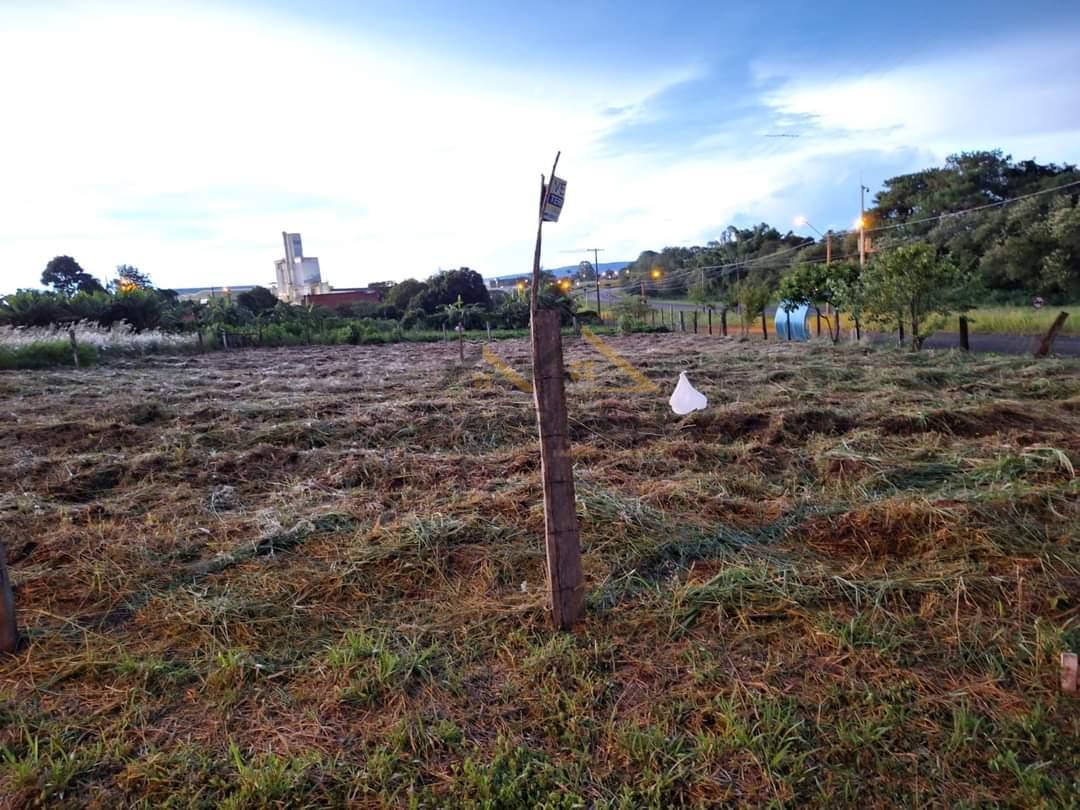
(568, 270)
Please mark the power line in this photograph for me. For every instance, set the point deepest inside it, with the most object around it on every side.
(686, 271)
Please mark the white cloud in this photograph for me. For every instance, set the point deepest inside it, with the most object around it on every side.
(420, 162)
(1021, 91)
(212, 132)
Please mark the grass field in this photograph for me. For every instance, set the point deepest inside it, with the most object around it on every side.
(315, 576)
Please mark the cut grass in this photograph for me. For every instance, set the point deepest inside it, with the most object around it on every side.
(315, 577)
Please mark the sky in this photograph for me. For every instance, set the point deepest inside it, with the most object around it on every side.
(405, 137)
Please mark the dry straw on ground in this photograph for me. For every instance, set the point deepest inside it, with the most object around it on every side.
(314, 576)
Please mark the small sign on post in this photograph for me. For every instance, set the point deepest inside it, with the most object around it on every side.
(553, 203)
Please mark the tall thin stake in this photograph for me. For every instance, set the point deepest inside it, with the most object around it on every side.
(566, 582)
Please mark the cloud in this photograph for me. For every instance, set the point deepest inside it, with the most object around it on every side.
(1016, 91)
(185, 141)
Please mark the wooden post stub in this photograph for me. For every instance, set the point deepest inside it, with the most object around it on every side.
(1048, 339)
(1068, 672)
(710, 321)
(9, 631)
(723, 323)
(682, 321)
(695, 321)
(566, 583)
(74, 347)
(964, 334)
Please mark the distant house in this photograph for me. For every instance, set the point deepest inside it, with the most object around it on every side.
(342, 298)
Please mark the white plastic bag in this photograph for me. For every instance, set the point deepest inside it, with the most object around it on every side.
(686, 398)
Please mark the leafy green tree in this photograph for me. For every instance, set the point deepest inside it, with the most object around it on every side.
(909, 284)
(753, 297)
(257, 300)
(402, 293)
(446, 287)
(67, 277)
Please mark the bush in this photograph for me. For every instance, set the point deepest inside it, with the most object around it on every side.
(45, 354)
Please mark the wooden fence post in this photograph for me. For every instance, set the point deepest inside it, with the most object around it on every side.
(764, 326)
(74, 347)
(566, 582)
(224, 339)
(1048, 340)
(695, 321)
(9, 631)
(723, 322)
(964, 334)
(682, 321)
(710, 321)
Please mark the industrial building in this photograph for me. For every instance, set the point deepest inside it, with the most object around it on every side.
(297, 275)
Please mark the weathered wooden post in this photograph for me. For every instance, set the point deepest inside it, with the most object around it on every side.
(764, 325)
(74, 346)
(723, 322)
(1048, 339)
(566, 582)
(964, 334)
(682, 321)
(695, 321)
(1068, 672)
(710, 321)
(9, 631)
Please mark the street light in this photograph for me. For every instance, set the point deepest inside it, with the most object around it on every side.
(803, 222)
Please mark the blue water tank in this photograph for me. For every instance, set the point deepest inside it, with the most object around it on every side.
(792, 325)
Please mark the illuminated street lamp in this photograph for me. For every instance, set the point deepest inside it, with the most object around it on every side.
(803, 222)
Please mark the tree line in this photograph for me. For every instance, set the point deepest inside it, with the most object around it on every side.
(450, 298)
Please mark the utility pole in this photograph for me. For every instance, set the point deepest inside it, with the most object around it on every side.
(862, 225)
(596, 270)
(828, 247)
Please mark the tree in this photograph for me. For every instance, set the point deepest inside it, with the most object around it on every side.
(402, 293)
(753, 296)
(64, 275)
(131, 278)
(446, 287)
(848, 293)
(808, 285)
(257, 300)
(910, 283)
